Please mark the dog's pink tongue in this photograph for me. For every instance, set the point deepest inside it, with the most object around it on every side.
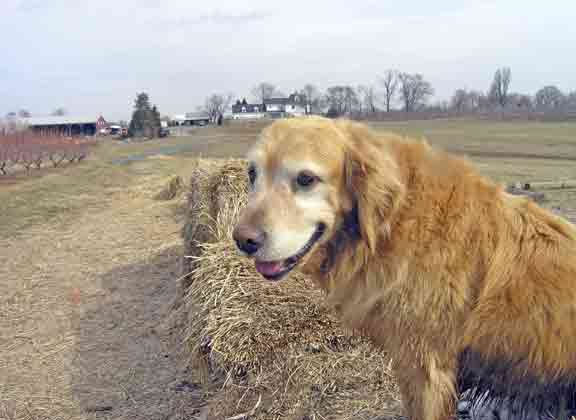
(269, 268)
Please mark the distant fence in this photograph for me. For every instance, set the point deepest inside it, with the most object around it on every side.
(26, 150)
(506, 115)
(545, 185)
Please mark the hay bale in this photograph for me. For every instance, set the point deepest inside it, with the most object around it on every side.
(216, 187)
(171, 190)
(263, 350)
(327, 386)
(277, 347)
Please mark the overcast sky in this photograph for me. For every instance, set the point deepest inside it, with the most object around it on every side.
(92, 57)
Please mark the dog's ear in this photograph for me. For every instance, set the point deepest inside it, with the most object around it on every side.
(373, 181)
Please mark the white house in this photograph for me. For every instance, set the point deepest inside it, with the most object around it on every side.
(292, 106)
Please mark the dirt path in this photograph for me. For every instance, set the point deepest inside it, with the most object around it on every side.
(84, 332)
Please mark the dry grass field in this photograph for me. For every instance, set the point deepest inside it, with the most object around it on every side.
(89, 262)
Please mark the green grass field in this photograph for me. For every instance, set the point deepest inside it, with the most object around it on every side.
(505, 151)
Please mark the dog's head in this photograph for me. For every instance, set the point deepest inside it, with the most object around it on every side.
(308, 178)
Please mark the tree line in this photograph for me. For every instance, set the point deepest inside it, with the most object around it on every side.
(393, 90)
(409, 92)
(500, 96)
(24, 113)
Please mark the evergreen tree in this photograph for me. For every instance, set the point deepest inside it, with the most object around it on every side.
(138, 122)
(145, 119)
(156, 122)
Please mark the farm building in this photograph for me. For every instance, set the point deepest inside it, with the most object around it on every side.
(244, 110)
(190, 118)
(68, 126)
(294, 105)
(291, 106)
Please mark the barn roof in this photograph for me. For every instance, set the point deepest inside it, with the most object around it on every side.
(196, 116)
(191, 116)
(59, 120)
(292, 99)
(276, 101)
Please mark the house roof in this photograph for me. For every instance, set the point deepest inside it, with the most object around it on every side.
(196, 116)
(276, 101)
(189, 116)
(59, 120)
(293, 99)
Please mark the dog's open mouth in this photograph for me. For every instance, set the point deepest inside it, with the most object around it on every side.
(275, 270)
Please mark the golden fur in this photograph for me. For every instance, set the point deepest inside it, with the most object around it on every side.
(465, 285)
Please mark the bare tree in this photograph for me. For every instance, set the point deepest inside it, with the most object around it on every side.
(263, 91)
(359, 92)
(549, 97)
(474, 99)
(59, 112)
(414, 90)
(519, 100)
(336, 99)
(465, 100)
(216, 104)
(438, 106)
(390, 83)
(367, 97)
(459, 100)
(500, 86)
(313, 97)
(351, 102)
(571, 100)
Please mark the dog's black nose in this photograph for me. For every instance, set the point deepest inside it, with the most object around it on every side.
(248, 239)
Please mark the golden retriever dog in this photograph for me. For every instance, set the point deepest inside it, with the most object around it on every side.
(466, 286)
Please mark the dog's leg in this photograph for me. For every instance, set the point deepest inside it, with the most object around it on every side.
(428, 390)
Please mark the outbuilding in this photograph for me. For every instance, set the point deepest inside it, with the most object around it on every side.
(67, 126)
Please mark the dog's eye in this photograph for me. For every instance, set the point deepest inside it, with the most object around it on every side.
(252, 174)
(306, 179)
